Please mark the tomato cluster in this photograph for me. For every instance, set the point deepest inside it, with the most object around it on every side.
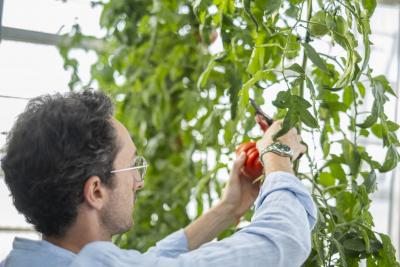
(252, 167)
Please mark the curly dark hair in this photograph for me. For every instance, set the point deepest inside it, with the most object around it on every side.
(55, 145)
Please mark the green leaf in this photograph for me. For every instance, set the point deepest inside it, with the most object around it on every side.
(282, 100)
(297, 68)
(308, 119)
(389, 253)
(370, 6)
(257, 59)
(310, 86)
(378, 90)
(392, 126)
(369, 121)
(364, 132)
(289, 122)
(247, 10)
(351, 156)
(243, 102)
(337, 171)
(317, 24)
(391, 159)
(296, 83)
(297, 110)
(202, 81)
(299, 103)
(382, 81)
(292, 11)
(235, 85)
(355, 244)
(348, 42)
(326, 179)
(342, 257)
(348, 96)
(366, 240)
(269, 6)
(324, 141)
(258, 76)
(370, 182)
(346, 203)
(199, 5)
(340, 25)
(315, 58)
(373, 117)
(377, 130)
(361, 88)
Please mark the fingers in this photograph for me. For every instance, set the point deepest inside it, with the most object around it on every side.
(278, 124)
(260, 121)
(259, 145)
(300, 151)
(271, 129)
(303, 149)
(292, 138)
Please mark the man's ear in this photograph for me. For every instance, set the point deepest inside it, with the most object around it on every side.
(95, 192)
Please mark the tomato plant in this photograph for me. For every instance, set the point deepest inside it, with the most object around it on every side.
(186, 107)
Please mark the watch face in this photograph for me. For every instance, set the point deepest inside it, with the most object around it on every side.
(284, 148)
(280, 149)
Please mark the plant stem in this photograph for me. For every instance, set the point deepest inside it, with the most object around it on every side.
(304, 65)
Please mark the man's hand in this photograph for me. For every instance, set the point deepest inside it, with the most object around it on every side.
(240, 193)
(273, 162)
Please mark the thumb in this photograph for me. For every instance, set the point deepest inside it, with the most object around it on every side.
(238, 164)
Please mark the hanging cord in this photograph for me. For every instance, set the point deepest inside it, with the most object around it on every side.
(14, 97)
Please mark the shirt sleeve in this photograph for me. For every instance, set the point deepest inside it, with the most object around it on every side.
(279, 235)
(171, 246)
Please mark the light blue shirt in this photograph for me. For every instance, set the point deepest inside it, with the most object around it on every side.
(279, 235)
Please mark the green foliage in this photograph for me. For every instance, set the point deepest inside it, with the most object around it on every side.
(186, 108)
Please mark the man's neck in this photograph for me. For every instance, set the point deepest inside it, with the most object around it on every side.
(80, 234)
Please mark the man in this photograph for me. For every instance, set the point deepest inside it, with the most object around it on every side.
(73, 171)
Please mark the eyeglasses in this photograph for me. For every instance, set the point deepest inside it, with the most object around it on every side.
(139, 164)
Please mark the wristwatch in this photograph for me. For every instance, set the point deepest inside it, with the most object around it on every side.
(277, 148)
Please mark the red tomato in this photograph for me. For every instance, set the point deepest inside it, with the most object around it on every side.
(252, 168)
